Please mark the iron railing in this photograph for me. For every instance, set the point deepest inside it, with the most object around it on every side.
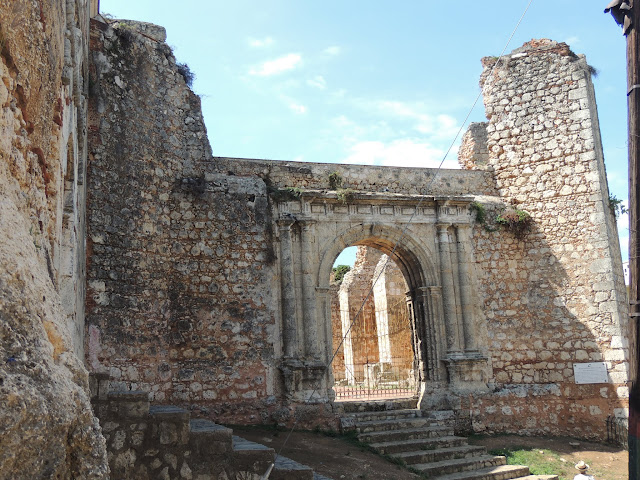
(618, 431)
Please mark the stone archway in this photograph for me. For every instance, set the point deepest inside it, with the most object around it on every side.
(433, 252)
(423, 295)
(373, 342)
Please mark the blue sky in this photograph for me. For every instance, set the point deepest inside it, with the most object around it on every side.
(371, 82)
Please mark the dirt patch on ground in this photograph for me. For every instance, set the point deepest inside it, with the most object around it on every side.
(342, 458)
(335, 457)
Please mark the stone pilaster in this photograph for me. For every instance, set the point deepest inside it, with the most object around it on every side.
(448, 291)
(310, 321)
(465, 287)
(287, 279)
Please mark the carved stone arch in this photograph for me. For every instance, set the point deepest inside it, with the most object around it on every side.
(424, 299)
(412, 258)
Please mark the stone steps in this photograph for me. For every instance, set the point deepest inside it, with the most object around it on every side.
(418, 444)
(386, 415)
(500, 472)
(287, 469)
(436, 469)
(406, 434)
(156, 441)
(426, 442)
(250, 455)
(376, 405)
(391, 424)
(440, 454)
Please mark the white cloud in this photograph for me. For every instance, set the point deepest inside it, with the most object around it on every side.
(436, 126)
(332, 51)
(293, 105)
(297, 108)
(317, 82)
(260, 42)
(572, 41)
(277, 66)
(399, 153)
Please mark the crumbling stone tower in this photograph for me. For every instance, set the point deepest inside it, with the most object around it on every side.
(558, 297)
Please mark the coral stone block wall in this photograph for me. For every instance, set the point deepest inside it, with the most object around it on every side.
(47, 428)
(208, 278)
(556, 297)
(179, 275)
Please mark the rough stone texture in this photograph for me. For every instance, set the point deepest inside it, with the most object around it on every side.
(557, 296)
(473, 153)
(163, 442)
(370, 179)
(180, 271)
(47, 429)
(209, 278)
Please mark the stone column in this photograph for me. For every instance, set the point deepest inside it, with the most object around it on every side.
(347, 345)
(466, 289)
(325, 323)
(310, 321)
(430, 332)
(436, 313)
(448, 291)
(287, 280)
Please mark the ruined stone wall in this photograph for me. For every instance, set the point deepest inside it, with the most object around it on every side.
(337, 366)
(359, 307)
(556, 296)
(208, 277)
(180, 296)
(409, 181)
(392, 316)
(47, 429)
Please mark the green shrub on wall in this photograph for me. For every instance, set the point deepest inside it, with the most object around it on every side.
(515, 220)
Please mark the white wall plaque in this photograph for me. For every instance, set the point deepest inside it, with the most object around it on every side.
(595, 372)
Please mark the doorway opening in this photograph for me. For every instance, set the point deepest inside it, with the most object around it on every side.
(371, 328)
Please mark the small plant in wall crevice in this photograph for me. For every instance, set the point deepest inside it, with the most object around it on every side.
(345, 195)
(515, 220)
(481, 216)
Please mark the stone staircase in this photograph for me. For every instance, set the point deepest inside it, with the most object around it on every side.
(425, 442)
(164, 442)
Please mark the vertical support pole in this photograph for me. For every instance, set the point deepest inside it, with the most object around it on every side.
(466, 293)
(448, 292)
(416, 337)
(287, 279)
(326, 325)
(435, 307)
(633, 102)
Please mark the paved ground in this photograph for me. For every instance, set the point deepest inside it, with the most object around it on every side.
(341, 459)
